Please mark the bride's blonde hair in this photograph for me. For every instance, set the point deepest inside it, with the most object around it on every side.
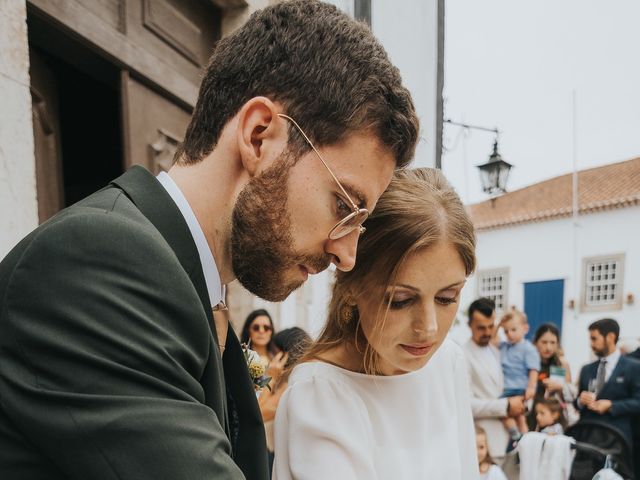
(418, 210)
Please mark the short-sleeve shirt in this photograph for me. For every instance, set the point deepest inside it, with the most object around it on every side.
(517, 360)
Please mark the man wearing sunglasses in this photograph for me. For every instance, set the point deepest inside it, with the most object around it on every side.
(111, 365)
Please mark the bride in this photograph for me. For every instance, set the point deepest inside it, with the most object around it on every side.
(382, 394)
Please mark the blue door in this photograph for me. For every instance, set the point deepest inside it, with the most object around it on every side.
(543, 303)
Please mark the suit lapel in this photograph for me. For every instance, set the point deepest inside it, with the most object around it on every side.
(158, 207)
(591, 371)
(155, 203)
(612, 379)
(247, 428)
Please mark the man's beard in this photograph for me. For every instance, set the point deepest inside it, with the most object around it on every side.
(601, 353)
(261, 240)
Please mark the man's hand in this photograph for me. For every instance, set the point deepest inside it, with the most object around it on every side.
(516, 406)
(587, 398)
(600, 406)
(276, 365)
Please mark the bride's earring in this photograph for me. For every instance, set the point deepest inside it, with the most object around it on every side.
(348, 312)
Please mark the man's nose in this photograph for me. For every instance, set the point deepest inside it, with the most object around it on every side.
(343, 250)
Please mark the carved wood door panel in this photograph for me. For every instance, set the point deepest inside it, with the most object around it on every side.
(153, 126)
(46, 137)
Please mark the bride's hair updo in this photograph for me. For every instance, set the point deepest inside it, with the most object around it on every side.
(418, 210)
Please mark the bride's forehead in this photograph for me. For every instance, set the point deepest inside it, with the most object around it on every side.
(440, 263)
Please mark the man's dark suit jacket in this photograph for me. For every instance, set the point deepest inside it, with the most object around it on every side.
(635, 355)
(622, 388)
(109, 364)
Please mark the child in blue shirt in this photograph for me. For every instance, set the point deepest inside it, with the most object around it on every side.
(520, 365)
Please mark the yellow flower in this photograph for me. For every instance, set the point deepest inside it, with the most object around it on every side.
(256, 370)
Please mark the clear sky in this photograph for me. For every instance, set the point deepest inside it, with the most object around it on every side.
(514, 64)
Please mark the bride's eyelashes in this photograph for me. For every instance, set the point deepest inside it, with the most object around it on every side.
(400, 304)
(403, 300)
(448, 297)
(446, 300)
(398, 301)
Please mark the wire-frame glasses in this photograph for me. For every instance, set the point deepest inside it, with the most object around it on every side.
(352, 221)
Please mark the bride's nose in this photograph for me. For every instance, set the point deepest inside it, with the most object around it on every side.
(426, 323)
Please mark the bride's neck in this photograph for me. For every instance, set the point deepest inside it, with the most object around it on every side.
(344, 356)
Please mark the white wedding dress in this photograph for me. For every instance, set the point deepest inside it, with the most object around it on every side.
(335, 424)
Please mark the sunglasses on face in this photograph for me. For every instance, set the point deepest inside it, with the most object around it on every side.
(257, 328)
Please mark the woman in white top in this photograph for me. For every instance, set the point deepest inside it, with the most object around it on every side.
(381, 394)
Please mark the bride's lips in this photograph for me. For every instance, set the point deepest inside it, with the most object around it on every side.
(418, 349)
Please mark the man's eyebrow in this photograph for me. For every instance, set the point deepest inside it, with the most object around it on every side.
(356, 195)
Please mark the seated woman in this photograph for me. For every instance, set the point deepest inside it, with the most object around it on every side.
(382, 394)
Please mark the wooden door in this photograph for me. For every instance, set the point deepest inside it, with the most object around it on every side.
(46, 137)
(153, 126)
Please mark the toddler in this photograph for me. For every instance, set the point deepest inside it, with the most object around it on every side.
(520, 365)
(550, 416)
(488, 469)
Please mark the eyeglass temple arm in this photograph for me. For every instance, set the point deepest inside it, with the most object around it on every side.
(353, 204)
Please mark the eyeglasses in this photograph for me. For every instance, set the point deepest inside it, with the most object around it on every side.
(353, 220)
(257, 328)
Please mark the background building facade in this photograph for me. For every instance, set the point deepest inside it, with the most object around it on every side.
(534, 254)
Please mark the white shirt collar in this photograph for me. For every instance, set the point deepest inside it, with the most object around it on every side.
(215, 288)
(612, 361)
(612, 357)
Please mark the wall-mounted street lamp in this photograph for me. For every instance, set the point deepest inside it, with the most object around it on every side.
(495, 173)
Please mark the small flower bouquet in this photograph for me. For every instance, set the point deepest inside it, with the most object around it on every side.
(256, 368)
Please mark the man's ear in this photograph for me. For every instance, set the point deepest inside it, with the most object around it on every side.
(261, 134)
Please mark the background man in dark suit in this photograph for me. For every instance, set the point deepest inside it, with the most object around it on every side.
(635, 354)
(111, 365)
(610, 387)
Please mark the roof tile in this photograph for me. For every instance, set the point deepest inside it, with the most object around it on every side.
(601, 188)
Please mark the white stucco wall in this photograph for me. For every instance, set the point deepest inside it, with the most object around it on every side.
(18, 202)
(408, 29)
(545, 251)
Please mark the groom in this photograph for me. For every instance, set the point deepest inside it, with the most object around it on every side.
(111, 365)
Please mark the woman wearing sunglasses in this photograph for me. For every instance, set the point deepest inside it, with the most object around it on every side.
(258, 334)
(381, 394)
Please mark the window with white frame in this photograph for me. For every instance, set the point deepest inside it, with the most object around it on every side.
(602, 285)
(494, 284)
